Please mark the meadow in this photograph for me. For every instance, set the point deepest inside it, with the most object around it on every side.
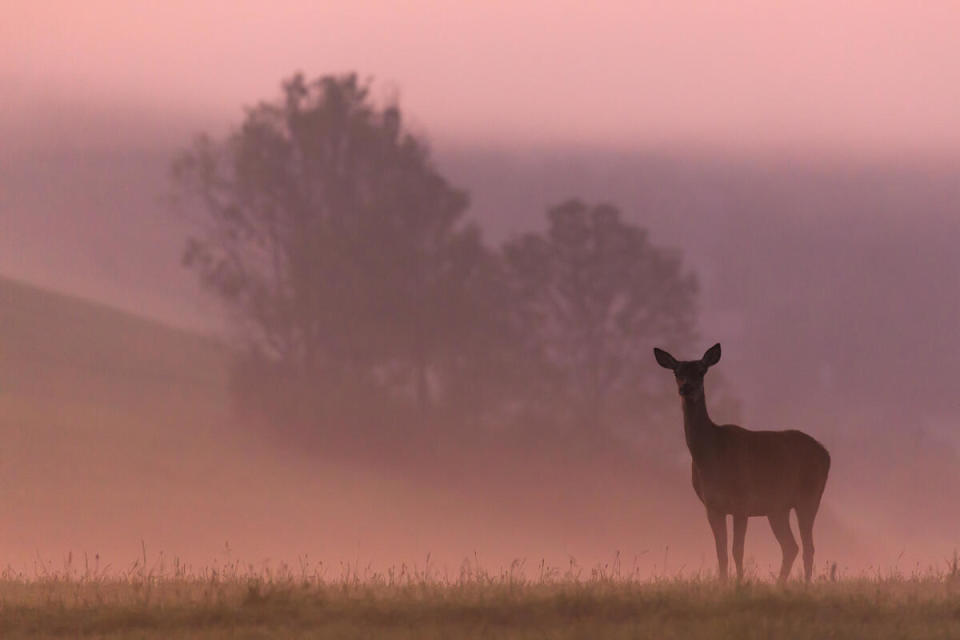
(116, 429)
(232, 601)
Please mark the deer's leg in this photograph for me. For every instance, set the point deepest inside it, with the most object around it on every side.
(718, 522)
(739, 533)
(780, 523)
(805, 517)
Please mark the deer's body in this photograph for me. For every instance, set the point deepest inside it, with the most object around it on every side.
(746, 473)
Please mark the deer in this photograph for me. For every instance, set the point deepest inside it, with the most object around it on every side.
(744, 473)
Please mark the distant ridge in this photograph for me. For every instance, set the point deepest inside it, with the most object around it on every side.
(38, 325)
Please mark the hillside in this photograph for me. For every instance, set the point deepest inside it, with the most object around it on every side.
(105, 419)
(118, 431)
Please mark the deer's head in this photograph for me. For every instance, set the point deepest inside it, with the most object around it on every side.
(689, 373)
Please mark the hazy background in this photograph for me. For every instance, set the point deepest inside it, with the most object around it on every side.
(804, 158)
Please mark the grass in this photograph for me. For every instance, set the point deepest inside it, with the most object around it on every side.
(235, 602)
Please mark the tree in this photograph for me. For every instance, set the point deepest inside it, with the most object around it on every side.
(593, 296)
(336, 246)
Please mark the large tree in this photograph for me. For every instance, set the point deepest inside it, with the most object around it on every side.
(332, 239)
(594, 295)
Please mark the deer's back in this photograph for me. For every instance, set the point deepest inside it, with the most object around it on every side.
(759, 472)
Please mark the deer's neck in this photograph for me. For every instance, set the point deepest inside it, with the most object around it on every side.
(699, 429)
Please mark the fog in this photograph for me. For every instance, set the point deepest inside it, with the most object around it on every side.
(864, 76)
(803, 160)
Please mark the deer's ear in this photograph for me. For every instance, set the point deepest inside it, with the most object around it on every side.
(665, 360)
(712, 356)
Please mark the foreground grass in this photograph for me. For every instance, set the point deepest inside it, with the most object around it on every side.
(400, 604)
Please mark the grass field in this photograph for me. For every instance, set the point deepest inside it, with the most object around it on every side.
(116, 429)
(229, 602)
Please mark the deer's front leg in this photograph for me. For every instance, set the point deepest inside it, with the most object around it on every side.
(718, 522)
(739, 533)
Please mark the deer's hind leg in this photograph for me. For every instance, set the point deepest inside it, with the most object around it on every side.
(780, 523)
(805, 516)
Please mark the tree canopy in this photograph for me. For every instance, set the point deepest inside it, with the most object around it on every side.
(334, 242)
(594, 294)
(345, 261)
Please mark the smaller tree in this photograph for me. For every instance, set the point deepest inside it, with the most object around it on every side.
(593, 295)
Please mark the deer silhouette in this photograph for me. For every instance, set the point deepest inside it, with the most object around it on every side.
(747, 473)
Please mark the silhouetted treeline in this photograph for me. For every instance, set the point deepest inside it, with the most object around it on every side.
(368, 305)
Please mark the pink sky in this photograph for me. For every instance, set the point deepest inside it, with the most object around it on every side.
(857, 76)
